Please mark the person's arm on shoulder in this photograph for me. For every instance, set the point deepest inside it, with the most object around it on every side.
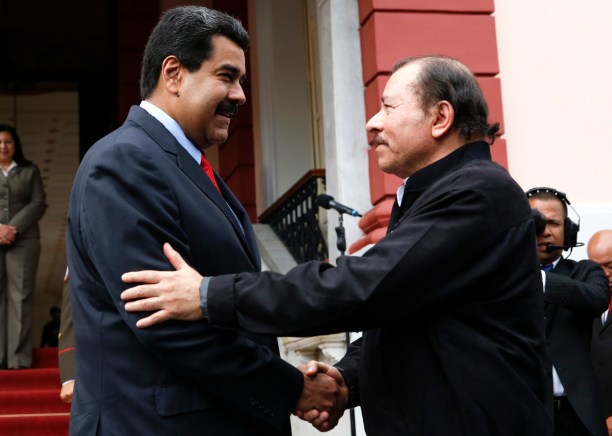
(359, 294)
(252, 379)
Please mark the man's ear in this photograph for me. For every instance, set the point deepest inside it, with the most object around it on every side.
(443, 117)
(171, 74)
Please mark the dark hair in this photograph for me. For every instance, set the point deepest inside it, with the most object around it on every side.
(443, 78)
(549, 194)
(186, 32)
(18, 156)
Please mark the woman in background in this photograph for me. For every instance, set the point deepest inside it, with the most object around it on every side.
(22, 204)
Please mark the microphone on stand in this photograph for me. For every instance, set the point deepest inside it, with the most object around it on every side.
(327, 202)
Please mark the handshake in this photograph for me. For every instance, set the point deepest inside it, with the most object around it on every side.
(324, 397)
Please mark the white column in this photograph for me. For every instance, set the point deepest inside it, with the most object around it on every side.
(343, 109)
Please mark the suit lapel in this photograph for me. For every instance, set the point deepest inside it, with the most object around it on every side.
(245, 221)
(562, 268)
(604, 326)
(190, 167)
(398, 212)
(394, 216)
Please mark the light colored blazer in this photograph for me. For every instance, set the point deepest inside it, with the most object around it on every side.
(22, 200)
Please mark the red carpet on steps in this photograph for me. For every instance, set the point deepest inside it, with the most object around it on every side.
(29, 398)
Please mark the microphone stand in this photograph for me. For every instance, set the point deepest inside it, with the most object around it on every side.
(341, 245)
(340, 235)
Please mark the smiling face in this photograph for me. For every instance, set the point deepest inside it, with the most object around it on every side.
(402, 132)
(7, 148)
(553, 233)
(209, 97)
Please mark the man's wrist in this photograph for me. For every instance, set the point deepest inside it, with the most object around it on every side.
(204, 296)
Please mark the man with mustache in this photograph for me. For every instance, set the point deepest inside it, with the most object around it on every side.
(149, 182)
(450, 301)
(575, 293)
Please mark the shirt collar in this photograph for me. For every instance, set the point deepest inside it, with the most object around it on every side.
(400, 191)
(8, 170)
(424, 177)
(554, 263)
(174, 128)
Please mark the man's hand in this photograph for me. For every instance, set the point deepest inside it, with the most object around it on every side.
(171, 294)
(324, 418)
(66, 392)
(609, 425)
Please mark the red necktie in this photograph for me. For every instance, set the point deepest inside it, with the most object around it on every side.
(209, 171)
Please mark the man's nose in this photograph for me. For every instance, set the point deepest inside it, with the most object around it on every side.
(237, 94)
(374, 124)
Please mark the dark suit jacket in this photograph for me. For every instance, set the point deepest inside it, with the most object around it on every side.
(576, 293)
(136, 189)
(601, 349)
(451, 301)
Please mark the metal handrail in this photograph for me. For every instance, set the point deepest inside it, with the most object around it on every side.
(295, 218)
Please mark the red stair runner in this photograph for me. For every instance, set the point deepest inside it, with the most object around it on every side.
(29, 398)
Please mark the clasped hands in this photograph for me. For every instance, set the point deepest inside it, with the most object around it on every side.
(176, 295)
(7, 234)
(324, 397)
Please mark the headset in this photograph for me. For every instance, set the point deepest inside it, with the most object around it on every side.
(570, 228)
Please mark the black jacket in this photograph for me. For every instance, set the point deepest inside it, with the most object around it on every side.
(576, 293)
(451, 304)
(601, 349)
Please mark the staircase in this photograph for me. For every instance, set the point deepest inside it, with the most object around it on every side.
(29, 398)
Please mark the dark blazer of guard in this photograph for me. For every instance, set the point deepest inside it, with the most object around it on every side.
(576, 293)
(450, 301)
(601, 349)
(136, 189)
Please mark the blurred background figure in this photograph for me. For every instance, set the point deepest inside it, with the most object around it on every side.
(22, 204)
(65, 351)
(575, 293)
(51, 329)
(600, 251)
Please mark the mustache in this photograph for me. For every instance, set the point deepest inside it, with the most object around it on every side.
(377, 139)
(228, 108)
